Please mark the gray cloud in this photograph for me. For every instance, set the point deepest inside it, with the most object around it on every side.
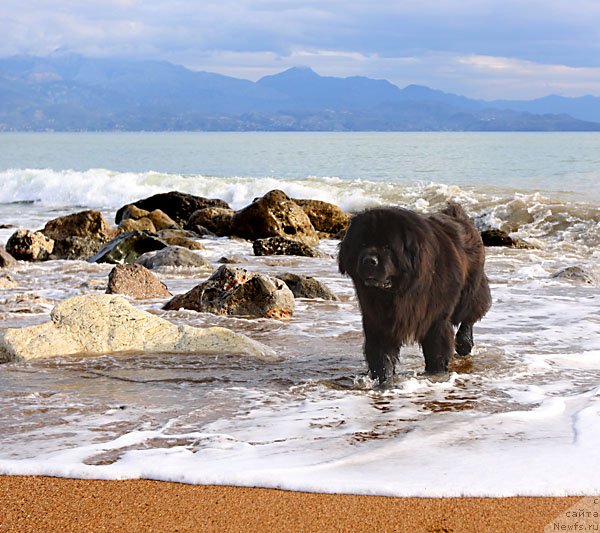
(476, 47)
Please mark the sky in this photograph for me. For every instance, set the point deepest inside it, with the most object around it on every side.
(478, 48)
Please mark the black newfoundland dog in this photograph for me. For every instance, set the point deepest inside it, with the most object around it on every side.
(416, 277)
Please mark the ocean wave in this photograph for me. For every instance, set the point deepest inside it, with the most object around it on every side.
(527, 214)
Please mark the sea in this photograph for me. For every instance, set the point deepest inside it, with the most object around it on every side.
(520, 416)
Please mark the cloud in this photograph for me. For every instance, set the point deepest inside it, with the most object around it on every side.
(448, 44)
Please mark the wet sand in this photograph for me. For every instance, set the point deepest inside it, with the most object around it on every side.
(55, 504)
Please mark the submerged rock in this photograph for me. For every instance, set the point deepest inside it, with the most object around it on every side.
(307, 287)
(576, 274)
(274, 215)
(6, 260)
(237, 292)
(135, 281)
(26, 245)
(7, 281)
(127, 247)
(98, 324)
(498, 237)
(25, 303)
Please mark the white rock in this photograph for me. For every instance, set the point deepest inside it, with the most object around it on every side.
(97, 324)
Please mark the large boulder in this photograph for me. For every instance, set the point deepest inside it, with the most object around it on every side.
(73, 248)
(283, 246)
(6, 260)
(217, 220)
(274, 215)
(79, 235)
(127, 247)
(307, 287)
(236, 292)
(98, 324)
(26, 245)
(135, 281)
(88, 224)
(177, 205)
(172, 256)
(328, 219)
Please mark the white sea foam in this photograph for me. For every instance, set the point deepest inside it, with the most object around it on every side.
(522, 419)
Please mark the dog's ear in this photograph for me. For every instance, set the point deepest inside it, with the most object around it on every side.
(343, 256)
(347, 251)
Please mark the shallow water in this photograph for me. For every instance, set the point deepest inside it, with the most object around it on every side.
(519, 416)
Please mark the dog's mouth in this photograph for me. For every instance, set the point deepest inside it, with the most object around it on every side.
(371, 281)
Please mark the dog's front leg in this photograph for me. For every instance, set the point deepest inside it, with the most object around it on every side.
(380, 355)
(438, 346)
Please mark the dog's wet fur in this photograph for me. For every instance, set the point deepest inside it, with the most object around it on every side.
(417, 278)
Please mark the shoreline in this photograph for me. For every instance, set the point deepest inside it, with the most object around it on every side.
(36, 503)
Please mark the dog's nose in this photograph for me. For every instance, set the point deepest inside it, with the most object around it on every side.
(370, 261)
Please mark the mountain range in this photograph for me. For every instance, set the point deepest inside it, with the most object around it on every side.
(66, 92)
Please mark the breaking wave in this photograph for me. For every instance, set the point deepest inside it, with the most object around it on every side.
(527, 214)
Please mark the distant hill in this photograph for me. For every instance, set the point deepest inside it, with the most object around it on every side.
(73, 93)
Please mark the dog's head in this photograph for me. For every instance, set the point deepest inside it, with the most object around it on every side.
(381, 248)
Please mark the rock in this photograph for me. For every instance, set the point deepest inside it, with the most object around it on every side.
(283, 246)
(137, 224)
(326, 218)
(237, 292)
(216, 220)
(575, 273)
(73, 248)
(180, 237)
(98, 324)
(172, 256)
(132, 212)
(7, 282)
(135, 281)
(229, 260)
(160, 220)
(307, 287)
(498, 237)
(201, 231)
(127, 247)
(176, 233)
(6, 260)
(183, 242)
(88, 224)
(177, 205)
(79, 235)
(274, 215)
(26, 245)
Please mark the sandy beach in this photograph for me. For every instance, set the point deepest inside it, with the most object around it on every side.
(56, 504)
